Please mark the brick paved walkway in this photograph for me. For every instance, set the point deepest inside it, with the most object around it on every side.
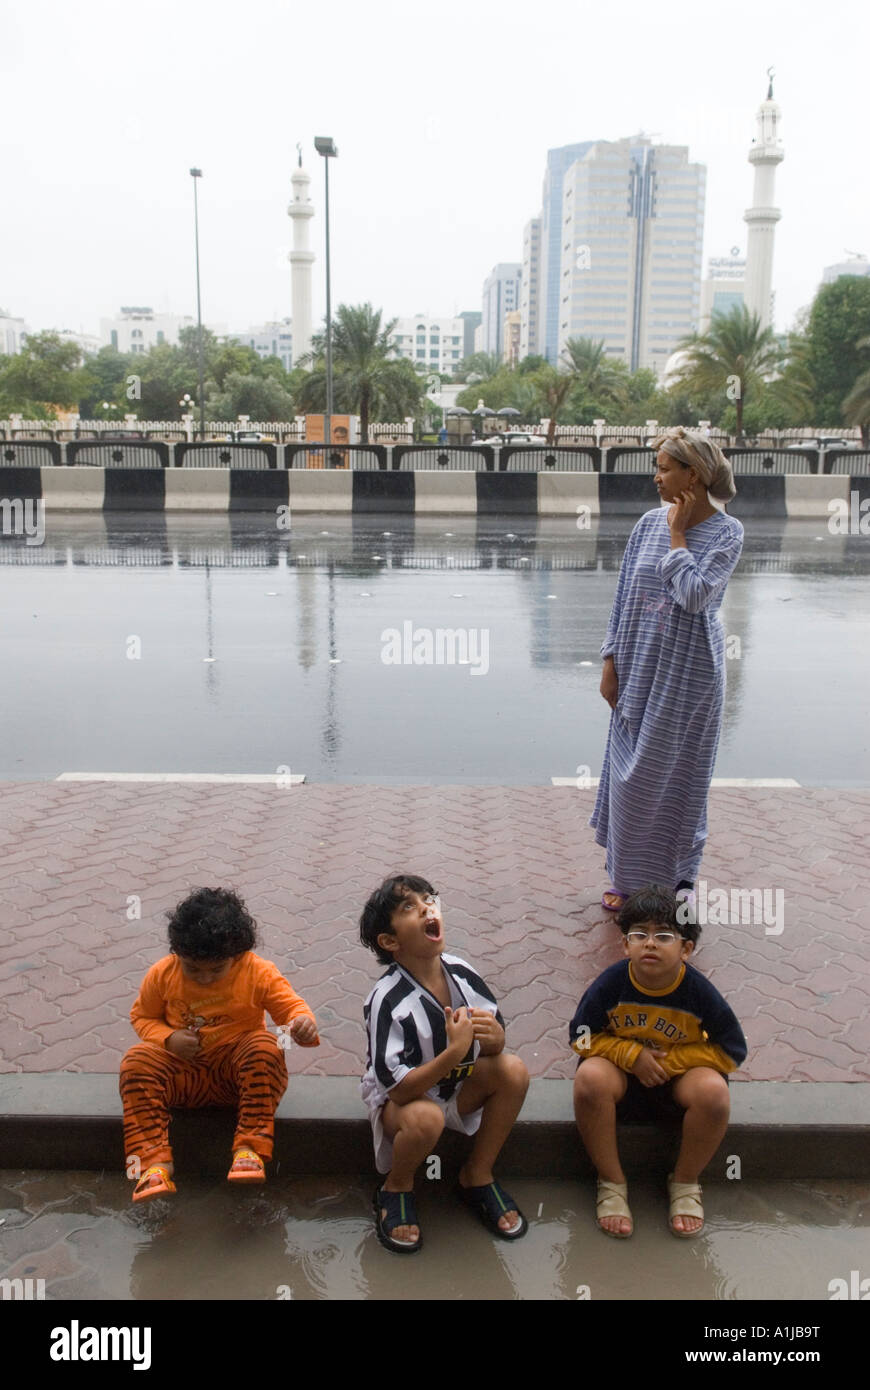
(521, 879)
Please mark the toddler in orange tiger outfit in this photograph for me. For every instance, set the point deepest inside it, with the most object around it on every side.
(200, 1015)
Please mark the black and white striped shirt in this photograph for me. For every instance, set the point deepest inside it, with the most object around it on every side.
(405, 1027)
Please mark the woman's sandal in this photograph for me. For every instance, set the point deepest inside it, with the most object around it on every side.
(237, 1174)
(161, 1188)
(399, 1210)
(685, 1200)
(491, 1202)
(611, 1199)
(622, 899)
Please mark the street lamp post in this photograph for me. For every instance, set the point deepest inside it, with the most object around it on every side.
(197, 174)
(325, 145)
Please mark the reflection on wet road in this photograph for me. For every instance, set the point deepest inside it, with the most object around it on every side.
(177, 644)
(312, 1238)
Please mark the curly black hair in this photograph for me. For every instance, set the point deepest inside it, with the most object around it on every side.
(211, 924)
(663, 907)
(378, 911)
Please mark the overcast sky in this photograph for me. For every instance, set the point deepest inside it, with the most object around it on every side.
(442, 113)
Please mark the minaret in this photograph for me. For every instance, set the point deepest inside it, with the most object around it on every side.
(300, 211)
(762, 217)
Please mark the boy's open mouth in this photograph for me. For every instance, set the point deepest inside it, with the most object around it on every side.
(433, 931)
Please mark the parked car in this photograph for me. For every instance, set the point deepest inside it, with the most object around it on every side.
(534, 440)
(250, 437)
(826, 443)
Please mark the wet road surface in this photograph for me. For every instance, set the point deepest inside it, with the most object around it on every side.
(313, 1239)
(220, 644)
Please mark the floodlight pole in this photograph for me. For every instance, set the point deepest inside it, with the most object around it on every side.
(197, 174)
(325, 146)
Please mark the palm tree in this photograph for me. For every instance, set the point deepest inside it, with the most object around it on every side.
(553, 386)
(479, 366)
(736, 355)
(368, 377)
(587, 360)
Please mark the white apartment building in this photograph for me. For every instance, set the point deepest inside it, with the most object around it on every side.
(273, 339)
(136, 329)
(530, 288)
(12, 333)
(88, 343)
(630, 253)
(856, 265)
(433, 345)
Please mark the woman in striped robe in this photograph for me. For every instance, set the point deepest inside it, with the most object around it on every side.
(664, 673)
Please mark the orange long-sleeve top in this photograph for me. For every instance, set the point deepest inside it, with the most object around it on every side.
(223, 1011)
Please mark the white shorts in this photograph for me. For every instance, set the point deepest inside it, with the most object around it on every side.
(464, 1124)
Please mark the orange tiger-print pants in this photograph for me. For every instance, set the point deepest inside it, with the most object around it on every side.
(250, 1073)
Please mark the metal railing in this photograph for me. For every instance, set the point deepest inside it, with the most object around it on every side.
(352, 457)
(122, 451)
(521, 458)
(776, 462)
(117, 453)
(435, 457)
(20, 453)
(206, 454)
(630, 460)
(849, 461)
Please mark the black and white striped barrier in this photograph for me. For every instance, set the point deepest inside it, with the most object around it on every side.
(449, 492)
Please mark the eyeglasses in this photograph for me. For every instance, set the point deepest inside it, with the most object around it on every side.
(661, 938)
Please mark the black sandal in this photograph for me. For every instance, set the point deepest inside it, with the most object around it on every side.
(401, 1211)
(490, 1203)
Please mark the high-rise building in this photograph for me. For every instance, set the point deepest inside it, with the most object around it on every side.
(723, 288)
(472, 320)
(762, 217)
(530, 288)
(433, 345)
(620, 241)
(559, 161)
(501, 294)
(632, 235)
(856, 265)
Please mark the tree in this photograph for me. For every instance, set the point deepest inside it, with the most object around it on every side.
(532, 363)
(554, 386)
(481, 365)
(105, 379)
(368, 379)
(734, 357)
(166, 375)
(47, 372)
(598, 382)
(839, 319)
(259, 396)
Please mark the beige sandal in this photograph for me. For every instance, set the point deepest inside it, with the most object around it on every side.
(611, 1199)
(685, 1200)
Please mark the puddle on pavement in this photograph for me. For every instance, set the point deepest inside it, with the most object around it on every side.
(313, 1238)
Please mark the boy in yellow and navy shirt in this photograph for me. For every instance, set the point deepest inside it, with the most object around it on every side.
(654, 1037)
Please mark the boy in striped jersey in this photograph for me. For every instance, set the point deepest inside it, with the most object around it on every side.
(655, 1039)
(435, 1057)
